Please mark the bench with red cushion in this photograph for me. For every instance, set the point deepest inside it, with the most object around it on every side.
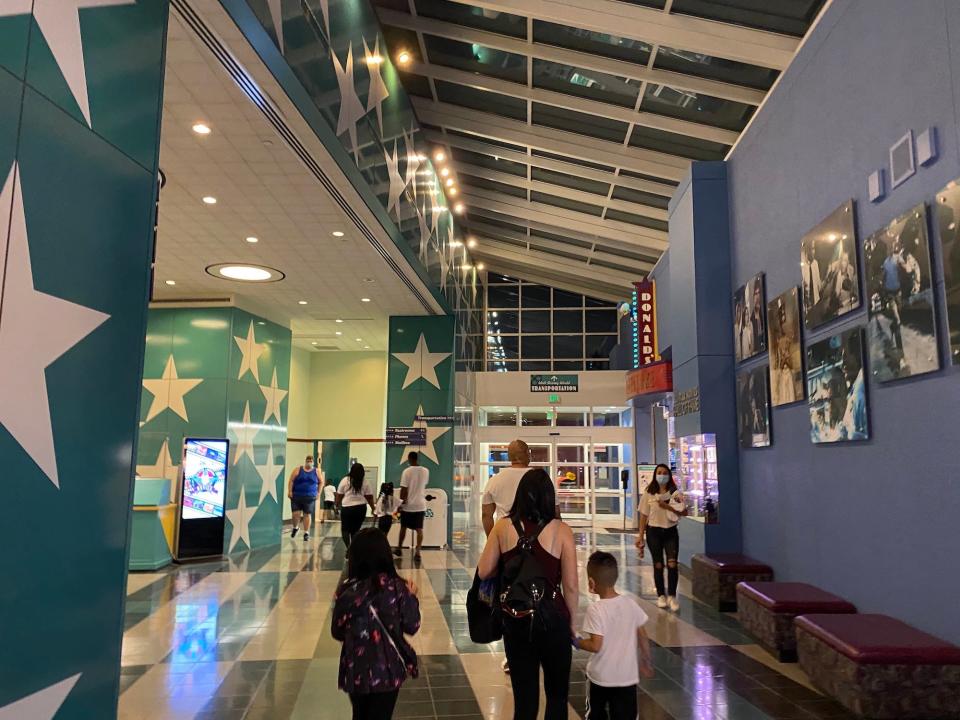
(879, 667)
(715, 577)
(767, 609)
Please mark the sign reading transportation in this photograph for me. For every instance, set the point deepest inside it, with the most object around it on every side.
(554, 383)
(407, 436)
(445, 419)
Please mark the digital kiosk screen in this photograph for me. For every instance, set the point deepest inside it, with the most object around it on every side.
(202, 497)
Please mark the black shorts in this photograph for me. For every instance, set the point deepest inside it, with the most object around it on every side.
(303, 503)
(328, 504)
(412, 520)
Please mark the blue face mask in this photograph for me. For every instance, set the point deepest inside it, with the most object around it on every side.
(663, 480)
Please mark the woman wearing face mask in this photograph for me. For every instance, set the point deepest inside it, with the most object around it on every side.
(661, 506)
(302, 490)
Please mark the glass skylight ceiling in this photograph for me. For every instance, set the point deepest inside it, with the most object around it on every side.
(570, 127)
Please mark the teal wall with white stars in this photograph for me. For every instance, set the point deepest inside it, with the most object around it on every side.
(80, 98)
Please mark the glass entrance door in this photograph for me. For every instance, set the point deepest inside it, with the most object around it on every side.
(571, 473)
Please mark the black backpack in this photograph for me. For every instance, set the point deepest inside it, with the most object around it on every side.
(525, 590)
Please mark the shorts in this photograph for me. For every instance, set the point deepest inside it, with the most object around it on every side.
(412, 520)
(303, 503)
(328, 504)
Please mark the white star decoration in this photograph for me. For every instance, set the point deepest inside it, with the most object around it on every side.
(377, 92)
(41, 705)
(433, 434)
(163, 467)
(245, 434)
(276, 14)
(413, 164)
(325, 10)
(424, 236)
(168, 392)
(351, 109)
(251, 350)
(35, 330)
(421, 363)
(268, 477)
(240, 517)
(274, 396)
(59, 21)
(396, 180)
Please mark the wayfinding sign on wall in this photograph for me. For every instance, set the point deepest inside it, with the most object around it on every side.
(407, 436)
(554, 383)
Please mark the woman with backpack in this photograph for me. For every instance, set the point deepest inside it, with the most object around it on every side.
(535, 557)
(352, 498)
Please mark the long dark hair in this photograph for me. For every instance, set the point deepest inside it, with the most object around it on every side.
(654, 487)
(356, 477)
(369, 555)
(536, 500)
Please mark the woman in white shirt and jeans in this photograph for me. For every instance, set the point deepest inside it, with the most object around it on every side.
(352, 498)
(661, 506)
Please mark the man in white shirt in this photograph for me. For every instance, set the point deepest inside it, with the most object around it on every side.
(413, 503)
(501, 489)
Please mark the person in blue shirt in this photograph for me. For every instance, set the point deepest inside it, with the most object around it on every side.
(302, 489)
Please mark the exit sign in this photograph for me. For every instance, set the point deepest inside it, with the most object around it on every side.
(554, 399)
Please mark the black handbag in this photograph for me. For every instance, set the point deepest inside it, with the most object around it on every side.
(483, 611)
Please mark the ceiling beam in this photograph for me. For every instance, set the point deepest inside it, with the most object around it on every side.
(559, 142)
(569, 168)
(656, 27)
(576, 58)
(576, 103)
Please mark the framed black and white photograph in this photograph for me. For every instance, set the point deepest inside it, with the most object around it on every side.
(902, 327)
(753, 408)
(786, 350)
(836, 389)
(749, 319)
(948, 222)
(828, 268)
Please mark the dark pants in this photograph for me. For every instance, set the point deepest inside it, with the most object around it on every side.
(385, 523)
(373, 706)
(526, 654)
(351, 520)
(664, 541)
(611, 703)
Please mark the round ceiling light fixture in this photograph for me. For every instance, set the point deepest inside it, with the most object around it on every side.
(481, 266)
(472, 243)
(404, 57)
(439, 155)
(364, 299)
(171, 282)
(242, 272)
(452, 192)
(252, 239)
(444, 171)
(459, 208)
(201, 129)
(209, 200)
(301, 302)
(449, 182)
(338, 320)
(338, 333)
(337, 233)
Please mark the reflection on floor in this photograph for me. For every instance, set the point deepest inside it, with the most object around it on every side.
(248, 637)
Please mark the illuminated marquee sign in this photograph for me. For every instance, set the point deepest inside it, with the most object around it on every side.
(644, 311)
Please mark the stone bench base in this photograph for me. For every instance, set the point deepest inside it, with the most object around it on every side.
(715, 578)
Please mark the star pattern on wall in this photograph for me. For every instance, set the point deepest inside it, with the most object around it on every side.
(59, 21)
(421, 364)
(240, 518)
(36, 330)
(168, 391)
(268, 477)
(41, 705)
(413, 163)
(164, 467)
(433, 434)
(424, 235)
(274, 395)
(396, 180)
(351, 109)
(276, 14)
(251, 351)
(245, 434)
(378, 91)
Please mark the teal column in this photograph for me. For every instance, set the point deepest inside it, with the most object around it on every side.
(420, 382)
(80, 99)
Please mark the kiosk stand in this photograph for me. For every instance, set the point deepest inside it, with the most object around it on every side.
(201, 498)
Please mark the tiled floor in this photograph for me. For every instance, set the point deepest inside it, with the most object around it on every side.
(248, 638)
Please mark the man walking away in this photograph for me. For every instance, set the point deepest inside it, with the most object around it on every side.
(302, 490)
(413, 503)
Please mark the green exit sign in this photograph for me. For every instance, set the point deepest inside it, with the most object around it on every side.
(555, 399)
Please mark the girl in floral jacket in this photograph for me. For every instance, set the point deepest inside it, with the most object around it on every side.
(373, 609)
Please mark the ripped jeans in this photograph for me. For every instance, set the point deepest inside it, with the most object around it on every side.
(664, 541)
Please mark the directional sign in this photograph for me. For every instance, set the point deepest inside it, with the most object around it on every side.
(407, 436)
(554, 383)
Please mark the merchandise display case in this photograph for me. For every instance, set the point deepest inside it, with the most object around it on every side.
(697, 472)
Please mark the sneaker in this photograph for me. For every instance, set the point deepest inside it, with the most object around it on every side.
(505, 666)
(416, 557)
(674, 604)
(294, 532)
(662, 602)
(306, 536)
(398, 552)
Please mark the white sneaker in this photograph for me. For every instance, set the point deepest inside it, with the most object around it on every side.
(674, 604)
(505, 666)
(662, 602)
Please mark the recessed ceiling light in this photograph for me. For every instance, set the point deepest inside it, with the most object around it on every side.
(314, 343)
(252, 239)
(449, 182)
(338, 333)
(210, 200)
(337, 233)
(171, 282)
(301, 302)
(244, 272)
(201, 129)
(472, 243)
(444, 172)
(439, 156)
(359, 339)
(366, 347)
(480, 266)
(338, 320)
(452, 191)
(458, 208)
(364, 299)
(404, 58)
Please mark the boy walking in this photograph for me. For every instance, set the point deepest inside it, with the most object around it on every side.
(614, 629)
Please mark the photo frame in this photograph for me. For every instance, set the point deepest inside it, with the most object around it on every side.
(948, 230)
(787, 384)
(750, 319)
(829, 268)
(837, 389)
(753, 407)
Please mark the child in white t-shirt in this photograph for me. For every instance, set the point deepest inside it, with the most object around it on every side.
(614, 629)
(387, 506)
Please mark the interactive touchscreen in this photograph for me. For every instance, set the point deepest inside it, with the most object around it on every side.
(204, 478)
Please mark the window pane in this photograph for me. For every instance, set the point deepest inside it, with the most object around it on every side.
(584, 83)
(571, 418)
(568, 365)
(600, 346)
(539, 453)
(498, 22)
(607, 478)
(686, 105)
(598, 364)
(502, 366)
(568, 321)
(570, 453)
(537, 321)
(498, 417)
(483, 100)
(562, 298)
(536, 296)
(535, 365)
(606, 418)
(607, 453)
(604, 321)
(503, 347)
(535, 347)
(497, 279)
(461, 453)
(568, 346)
(504, 321)
(503, 297)
(476, 58)
(714, 68)
(535, 417)
(591, 42)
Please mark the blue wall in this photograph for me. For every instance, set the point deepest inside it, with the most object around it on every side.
(877, 522)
